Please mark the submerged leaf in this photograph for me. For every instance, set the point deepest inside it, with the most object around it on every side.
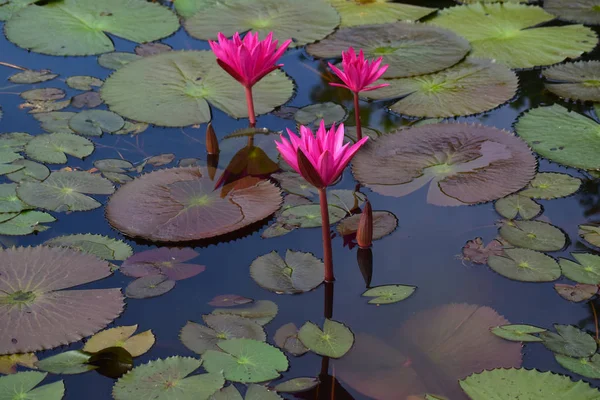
(9, 363)
(116, 59)
(229, 300)
(260, 311)
(384, 223)
(590, 233)
(32, 76)
(121, 336)
(476, 252)
(82, 82)
(95, 122)
(297, 385)
(25, 223)
(286, 338)
(313, 114)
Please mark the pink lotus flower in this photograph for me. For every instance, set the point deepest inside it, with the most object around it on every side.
(359, 73)
(321, 159)
(250, 59)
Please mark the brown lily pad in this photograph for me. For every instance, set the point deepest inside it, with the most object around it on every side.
(163, 261)
(576, 293)
(477, 253)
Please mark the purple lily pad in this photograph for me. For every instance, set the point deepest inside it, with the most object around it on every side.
(149, 286)
(476, 252)
(229, 300)
(165, 261)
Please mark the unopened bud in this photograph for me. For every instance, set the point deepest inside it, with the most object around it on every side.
(212, 144)
(364, 233)
(308, 171)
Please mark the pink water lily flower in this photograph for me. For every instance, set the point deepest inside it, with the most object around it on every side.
(359, 73)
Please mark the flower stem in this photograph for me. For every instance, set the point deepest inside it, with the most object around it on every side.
(357, 117)
(327, 257)
(250, 103)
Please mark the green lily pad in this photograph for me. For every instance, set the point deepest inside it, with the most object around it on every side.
(11, 144)
(350, 133)
(67, 363)
(333, 341)
(525, 384)
(113, 165)
(259, 392)
(7, 216)
(261, 311)
(149, 286)
(44, 94)
(585, 270)
(300, 272)
(229, 392)
(590, 233)
(25, 223)
(309, 216)
(151, 49)
(83, 82)
(347, 199)
(294, 183)
(175, 88)
(575, 81)
(95, 122)
(389, 294)
(28, 171)
(121, 336)
(53, 148)
(64, 191)
(98, 245)
(10, 8)
(384, 223)
(409, 49)
(518, 333)
(116, 59)
(516, 204)
(506, 33)
(199, 338)
(551, 185)
(582, 11)
(187, 8)
(9, 168)
(36, 107)
(56, 121)
(133, 128)
(313, 114)
(297, 385)
(534, 235)
(32, 76)
(167, 379)
(377, 12)
(569, 341)
(588, 367)
(281, 17)
(576, 293)
(470, 87)
(286, 338)
(22, 386)
(525, 265)
(246, 361)
(77, 27)
(9, 202)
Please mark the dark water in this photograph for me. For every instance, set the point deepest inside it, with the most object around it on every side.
(421, 252)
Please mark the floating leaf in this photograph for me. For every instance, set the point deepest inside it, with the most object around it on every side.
(28, 171)
(68, 363)
(161, 159)
(576, 293)
(476, 252)
(466, 164)
(11, 144)
(116, 59)
(229, 392)
(590, 233)
(95, 122)
(57, 121)
(300, 272)
(409, 49)
(25, 223)
(384, 223)
(527, 384)
(470, 87)
(264, 16)
(260, 311)
(165, 261)
(113, 165)
(165, 379)
(9, 363)
(576, 81)
(246, 361)
(507, 33)
(350, 133)
(21, 386)
(585, 270)
(309, 216)
(258, 392)
(11, 7)
(551, 185)
(32, 76)
(294, 183)
(377, 12)
(518, 333)
(180, 205)
(174, 89)
(53, 148)
(87, 99)
(297, 385)
(9, 168)
(9, 202)
(64, 316)
(328, 112)
(151, 49)
(45, 29)
(64, 191)
(525, 265)
(388, 294)
(98, 245)
(229, 300)
(333, 341)
(590, 368)
(583, 11)
(349, 200)
(83, 82)
(45, 94)
(149, 286)
(121, 336)
(516, 204)
(37, 107)
(286, 338)
(534, 235)
(569, 341)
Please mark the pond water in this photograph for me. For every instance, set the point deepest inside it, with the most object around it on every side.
(424, 250)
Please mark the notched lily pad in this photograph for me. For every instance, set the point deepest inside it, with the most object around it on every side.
(334, 340)
(260, 311)
(121, 336)
(588, 367)
(286, 338)
(475, 251)
(582, 11)
(28, 171)
(23, 386)
(551, 185)
(299, 272)
(53, 148)
(83, 82)
(517, 205)
(384, 223)
(149, 286)
(388, 294)
(95, 122)
(569, 341)
(586, 268)
(297, 385)
(534, 235)
(576, 293)
(116, 59)
(25, 223)
(44, 94)
(315, 113)
(377, 12)
(525, 265)
(590, 233)
(9, 202)
(164, 261)
(32, 76)
(98, 245)
(68, 363)
(518, 333)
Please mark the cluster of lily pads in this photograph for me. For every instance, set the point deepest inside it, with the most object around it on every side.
(459, 61)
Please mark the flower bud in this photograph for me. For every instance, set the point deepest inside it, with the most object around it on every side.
(212, 143)
(364, 257)
(364, 233)
(308, 171)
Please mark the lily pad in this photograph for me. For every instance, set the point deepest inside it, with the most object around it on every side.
(25, 223)
(36, 107)
(79, 27)
(113, 165)
(165, 379)
(68, 363)
(575, 81)
(161, 159)
(165, 261)
(9, 363)
(582, 11)
(83, 82)
(151, 49)
(229, 300)
(87, 99)
(9, 168)
(377, 12)
(534, 235)
(463, 164)
(409, 49)
(32, 76)
(297, 385)
(551, 185)
(33, 299)
(588, 367)
(179, 204)
(286, 338)
(470, 87)
(475, 251)
(300, 272)
(116, 59)
(294, 183)
(527, 384)
(11, 144)
(44, 94)
(121, 336)
(95, 122)
(516, 204)
(149, 286)
(388, 294)
(309, 216)
(175, 88)
(318, 18)
(313, 114)
(585, 270)
(260, 311)
(569, 341)
(56, 121)
(384, 223)
(9, 202)
(334, 340)
(518, 333)
(65, 191)
(507, 33)
(590, 233)
(8, 9)
(23, 386)
(98, 245)
(576, 293)
(525, 265)
(28, 171)
(53, 148)
(259, 392)
(229, 392)
(246, 361)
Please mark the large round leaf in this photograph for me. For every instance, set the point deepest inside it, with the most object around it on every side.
(149, 286)
(300, 272)
(569, 341)
(464, 164)
(583, 11)
(525, 265)
(585, 270)
(506, 33)
(377, 11)
(282, 17)
(575, 144)
(9, 202)
(409, 49)
(576, 81)
(23, 386)
(470, 87)
(515, 204)
(174, 89)
(334, 340)
(551, 185)
(98, 245)
(10, 7)
(32, 300)
(54, 147)
(77, 27)
(534, 235)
